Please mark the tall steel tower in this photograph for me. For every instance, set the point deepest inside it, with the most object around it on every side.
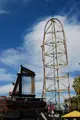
(55, 63)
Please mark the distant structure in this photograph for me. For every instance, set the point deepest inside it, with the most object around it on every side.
(55, 63)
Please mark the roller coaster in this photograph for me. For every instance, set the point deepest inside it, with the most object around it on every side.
(23, 104)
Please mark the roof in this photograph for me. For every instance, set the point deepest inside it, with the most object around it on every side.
(73, 114)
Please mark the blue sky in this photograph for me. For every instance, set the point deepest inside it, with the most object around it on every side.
(21, 33)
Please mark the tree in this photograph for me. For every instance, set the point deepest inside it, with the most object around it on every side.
(76, 85)
(74, 102)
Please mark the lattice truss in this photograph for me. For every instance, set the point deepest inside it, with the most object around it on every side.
(55, 62)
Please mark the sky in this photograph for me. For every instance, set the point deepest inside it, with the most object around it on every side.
(21, 34)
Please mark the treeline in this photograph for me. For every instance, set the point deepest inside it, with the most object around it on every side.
(73, 103)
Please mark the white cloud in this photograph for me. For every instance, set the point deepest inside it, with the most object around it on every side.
(73, 40)
(5, 76)
(3, 6)
(5, 89)
(12, 57)
(2, 70)
(39, 88)
(33, 41)
(4, 3)
(72, 32)
(31, 54)
(4, 12)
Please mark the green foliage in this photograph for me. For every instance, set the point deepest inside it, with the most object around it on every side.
(76, 85)
(74, 102)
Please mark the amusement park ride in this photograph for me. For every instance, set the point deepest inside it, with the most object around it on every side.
(55, 63)
(24, 105)
(21, 105)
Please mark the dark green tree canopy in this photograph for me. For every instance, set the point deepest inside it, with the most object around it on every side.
(74, 102)
(76, 85)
